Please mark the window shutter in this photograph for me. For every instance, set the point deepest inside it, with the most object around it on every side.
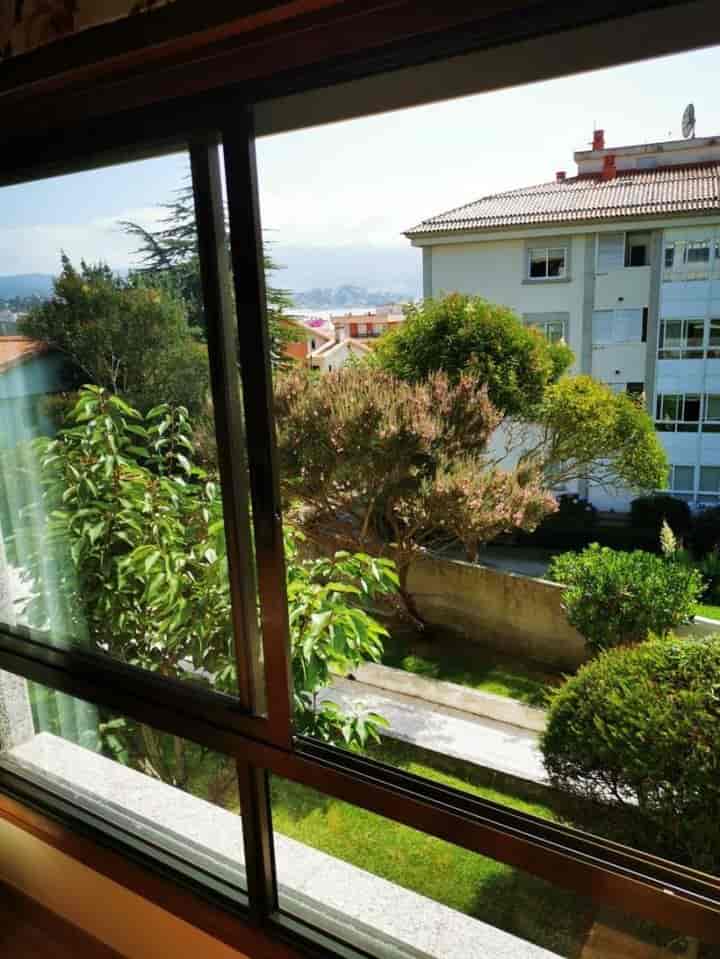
(611, 252)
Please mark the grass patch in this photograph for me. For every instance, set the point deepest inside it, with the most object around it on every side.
(466, 881)
(706, 609)
(441, 656)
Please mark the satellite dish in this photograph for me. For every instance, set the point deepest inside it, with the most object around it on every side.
(688, 121)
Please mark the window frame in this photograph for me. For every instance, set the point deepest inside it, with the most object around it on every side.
(683, 351)
(650, 887)
(546, 278)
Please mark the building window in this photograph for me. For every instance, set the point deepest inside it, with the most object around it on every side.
(617, 326)
(697, 251)
(552, 330)
(678, 412)
(710, 481)
(669, 256)
(610, 252)
(547, 263)
(682, 339)
(682, 479)
(637, 249)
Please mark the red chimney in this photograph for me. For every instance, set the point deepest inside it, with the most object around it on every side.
(609, 170)
(560, 176)
(598, 140)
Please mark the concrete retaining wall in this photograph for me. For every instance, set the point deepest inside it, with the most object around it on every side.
(509, 612)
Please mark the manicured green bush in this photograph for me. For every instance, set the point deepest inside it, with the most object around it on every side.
(648, 513)
(705, 535)
(615, 598)
(638, 730)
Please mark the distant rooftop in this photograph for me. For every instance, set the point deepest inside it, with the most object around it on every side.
(19, 349)
(645, 180)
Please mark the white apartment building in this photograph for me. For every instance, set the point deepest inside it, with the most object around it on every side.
(622, 260)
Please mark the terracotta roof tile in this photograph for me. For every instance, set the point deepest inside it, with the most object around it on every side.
(18, 349)
(631, 193)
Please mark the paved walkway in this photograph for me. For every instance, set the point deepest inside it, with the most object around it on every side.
(484, 742)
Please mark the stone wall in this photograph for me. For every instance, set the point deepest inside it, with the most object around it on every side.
(509, 612)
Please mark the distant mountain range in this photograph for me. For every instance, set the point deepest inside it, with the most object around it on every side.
(25, 284)
(344, 296)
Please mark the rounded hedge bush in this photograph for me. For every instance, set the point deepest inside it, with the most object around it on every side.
(614, 598)
(648, 513)
(705, 536)
(638, 730)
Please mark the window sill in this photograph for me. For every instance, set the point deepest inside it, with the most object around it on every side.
(354, 905)
(540, 280)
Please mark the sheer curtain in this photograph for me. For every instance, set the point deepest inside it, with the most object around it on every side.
(28, 573)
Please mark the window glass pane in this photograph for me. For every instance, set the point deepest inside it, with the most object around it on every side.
(538, 262)
(556, 262)
(602, 326)
(166, 790)
(669, 407)
(371, 466)
(710, 479)
(691, 411)
(683, 477)
(627, 326)
(111, 505)
(673, 333)
(611, 252)
(387, 888)
(554, 332)
(698, 252)
(712, 408)
(669, 256)
(695, 333)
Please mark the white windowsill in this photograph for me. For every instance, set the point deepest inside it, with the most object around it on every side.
(538, 280)
(341, 898)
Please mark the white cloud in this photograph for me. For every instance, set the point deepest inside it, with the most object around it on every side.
(36, 248)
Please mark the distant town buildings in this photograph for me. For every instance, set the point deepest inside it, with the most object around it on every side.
(327, 343)
(622, 261)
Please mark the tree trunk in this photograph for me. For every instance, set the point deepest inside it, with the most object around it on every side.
(406, 596)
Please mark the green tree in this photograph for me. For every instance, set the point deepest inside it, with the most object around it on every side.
(127, 337)
(170, 259)
(460, 333)
(373, 463)
(127, 548)
(584, 431)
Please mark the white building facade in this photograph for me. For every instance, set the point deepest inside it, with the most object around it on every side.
(623, 262)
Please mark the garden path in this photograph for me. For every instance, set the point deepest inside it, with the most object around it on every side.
(484, 742)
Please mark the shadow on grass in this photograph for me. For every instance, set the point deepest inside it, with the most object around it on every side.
(438, 654)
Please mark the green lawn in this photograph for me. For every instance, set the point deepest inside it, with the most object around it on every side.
(712, 612)
(470, 883)
(440, 656)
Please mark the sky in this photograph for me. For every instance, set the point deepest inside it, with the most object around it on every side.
(335, 199)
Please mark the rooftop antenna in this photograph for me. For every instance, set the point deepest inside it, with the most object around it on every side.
(688, 122)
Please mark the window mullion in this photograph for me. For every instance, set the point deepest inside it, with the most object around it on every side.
(215, 273)
(254, 352)
(259, 845)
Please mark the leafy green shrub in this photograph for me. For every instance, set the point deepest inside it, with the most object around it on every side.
(709, 567)
(638, 730)
(648, 513)
(614, 598)
(125, 549)
(705, 535)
